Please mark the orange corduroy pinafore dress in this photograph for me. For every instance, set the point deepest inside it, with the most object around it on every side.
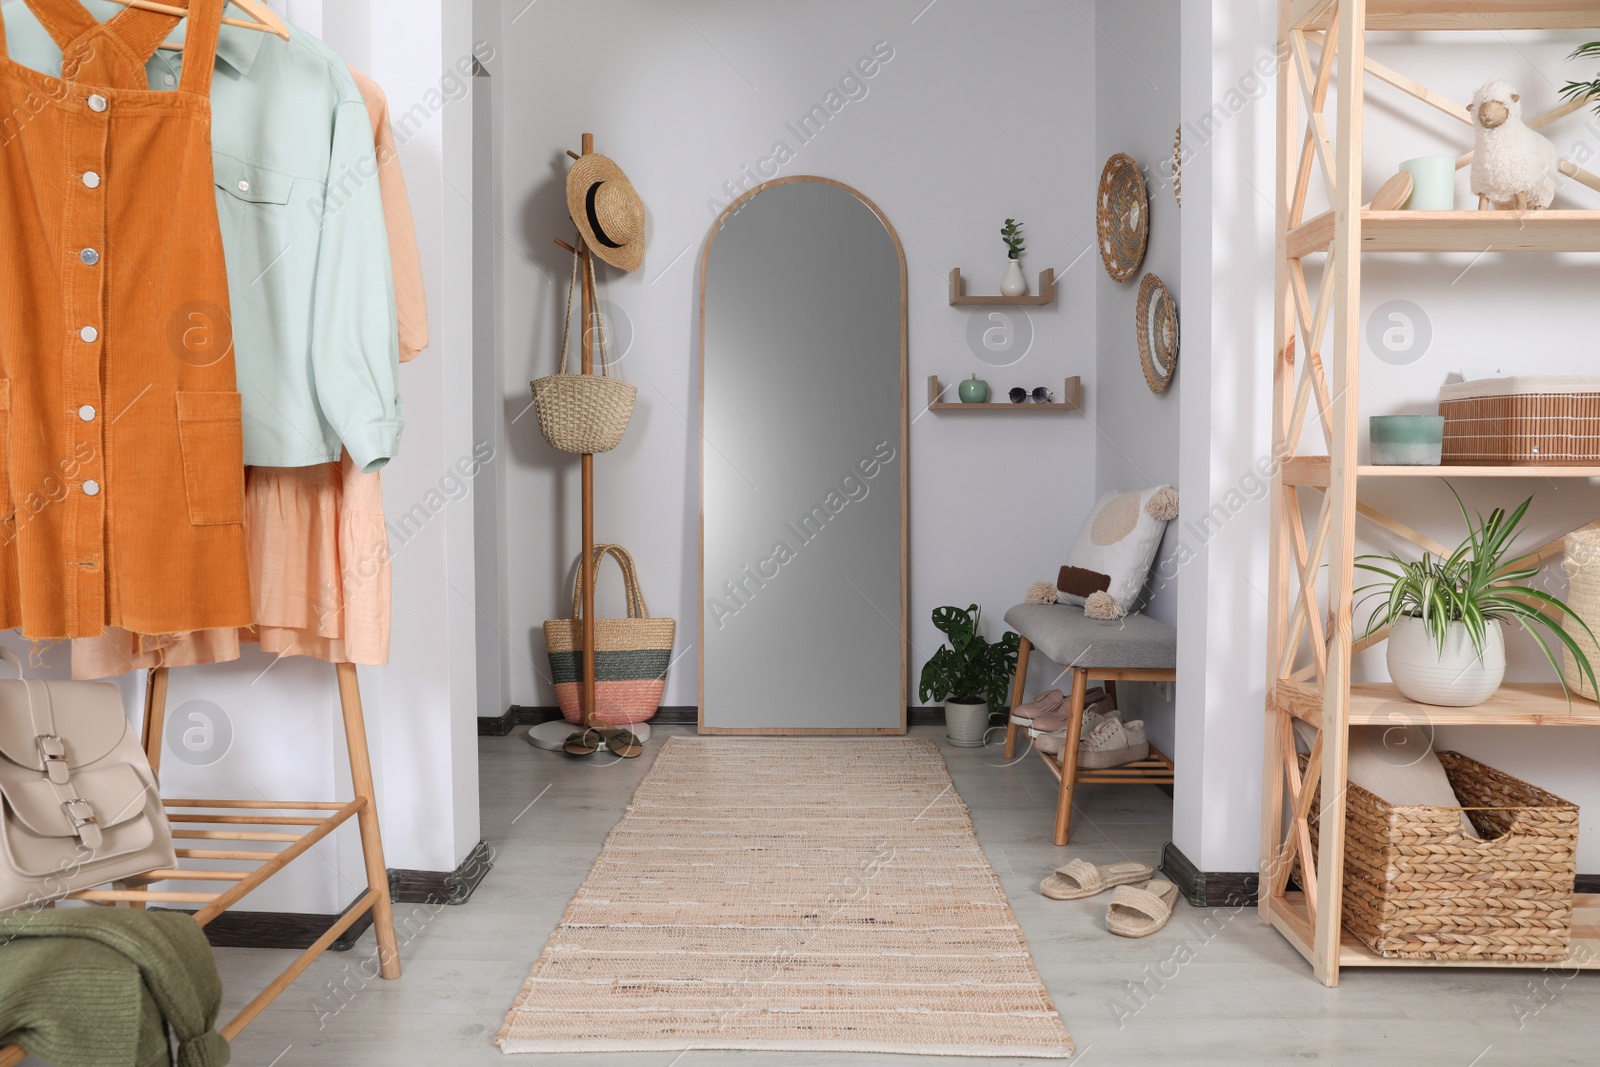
(123, 479)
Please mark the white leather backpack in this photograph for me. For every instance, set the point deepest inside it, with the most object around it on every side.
(79, 806)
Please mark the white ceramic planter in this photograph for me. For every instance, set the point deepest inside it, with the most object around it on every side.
(1013, 284)
(1455, 678)
(965, 724)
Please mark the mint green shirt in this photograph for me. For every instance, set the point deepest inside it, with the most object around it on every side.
(315, 338)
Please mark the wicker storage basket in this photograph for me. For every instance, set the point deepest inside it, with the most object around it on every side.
(1582, 565)
(1416, 888)
(1522, 421)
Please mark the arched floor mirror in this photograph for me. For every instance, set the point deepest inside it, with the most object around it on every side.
(803, 505)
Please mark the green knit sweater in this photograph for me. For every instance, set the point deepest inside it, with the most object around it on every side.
(98, 987)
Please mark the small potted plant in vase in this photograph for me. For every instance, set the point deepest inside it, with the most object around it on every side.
(970, 674)
(1013, 284)
(1446, 644)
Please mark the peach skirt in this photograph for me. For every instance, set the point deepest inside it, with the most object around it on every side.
(319, 579)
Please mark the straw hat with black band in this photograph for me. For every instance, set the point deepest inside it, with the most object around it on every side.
(608, 211)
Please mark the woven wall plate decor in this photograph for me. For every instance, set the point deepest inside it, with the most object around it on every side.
(1157, 327)
(1122, 216)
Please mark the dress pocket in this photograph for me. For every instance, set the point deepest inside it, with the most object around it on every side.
(211, 436)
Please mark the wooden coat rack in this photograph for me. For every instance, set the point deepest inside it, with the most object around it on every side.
(586, 567)
(297, 825)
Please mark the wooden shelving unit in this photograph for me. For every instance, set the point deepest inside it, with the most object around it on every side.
(1071, 399)
(1310, 643)
(1045, 295)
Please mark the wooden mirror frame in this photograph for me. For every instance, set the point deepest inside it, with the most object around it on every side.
(905, 479)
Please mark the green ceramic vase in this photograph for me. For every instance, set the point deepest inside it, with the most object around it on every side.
(974, 391)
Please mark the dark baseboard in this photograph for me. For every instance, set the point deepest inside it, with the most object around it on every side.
(449, 887)
(278, 929)
(674, 715)
(298, 930)
(1208, 889)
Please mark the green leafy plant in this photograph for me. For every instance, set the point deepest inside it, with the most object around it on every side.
(1480, 581)
(1011, 234)
(1578, 89)
(969, 669)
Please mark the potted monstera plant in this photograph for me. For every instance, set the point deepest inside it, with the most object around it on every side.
(970, 674)
(1446, 644)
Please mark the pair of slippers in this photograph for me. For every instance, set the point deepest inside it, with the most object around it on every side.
(1140, 903)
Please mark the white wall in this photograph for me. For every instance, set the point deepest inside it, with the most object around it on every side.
(287, 741)
(1489, 315)
(975, 118)
(1136, 111)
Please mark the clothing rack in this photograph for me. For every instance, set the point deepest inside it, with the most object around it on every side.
(249, 822)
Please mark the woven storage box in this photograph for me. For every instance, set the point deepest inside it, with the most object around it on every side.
(1522, 421)
(1416, 888)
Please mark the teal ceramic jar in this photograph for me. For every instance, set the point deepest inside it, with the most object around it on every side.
(1406, 440)
(974, 391)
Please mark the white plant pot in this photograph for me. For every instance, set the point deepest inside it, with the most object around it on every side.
(965, 724)
(1455, 678)
(1014, 284)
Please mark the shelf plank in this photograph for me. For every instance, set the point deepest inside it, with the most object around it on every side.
(1474, 232)
(1045, 295)
(1288, 915)
(1380, 704)
(1314, 471)
(1466, 471)
(1072, 399)
(1461, 14)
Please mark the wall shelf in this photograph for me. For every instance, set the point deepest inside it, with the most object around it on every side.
(1315, 471)
(1046, 294)
(1380, 704)
(1457, 231)
(1071, 399)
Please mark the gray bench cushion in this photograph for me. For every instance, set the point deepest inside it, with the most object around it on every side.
(1063, 633)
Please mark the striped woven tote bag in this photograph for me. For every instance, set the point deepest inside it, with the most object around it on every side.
(631, 655)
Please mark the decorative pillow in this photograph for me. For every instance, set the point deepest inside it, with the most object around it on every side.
(1111, 558)
(1398, 764)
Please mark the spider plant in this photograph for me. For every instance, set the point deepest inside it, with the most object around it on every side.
(1479, 582)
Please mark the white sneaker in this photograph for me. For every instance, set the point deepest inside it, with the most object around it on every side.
(1113, 743)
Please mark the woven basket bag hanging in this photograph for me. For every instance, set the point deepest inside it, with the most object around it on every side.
(583, 413)
(631, 655)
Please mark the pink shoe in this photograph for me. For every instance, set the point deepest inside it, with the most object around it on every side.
(1044, 704)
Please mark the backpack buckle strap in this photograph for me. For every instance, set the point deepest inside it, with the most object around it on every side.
(81, 815)
(53, 753)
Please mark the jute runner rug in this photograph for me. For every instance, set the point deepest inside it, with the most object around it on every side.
(801, 895)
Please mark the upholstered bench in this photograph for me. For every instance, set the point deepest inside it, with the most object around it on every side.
(1135, 648)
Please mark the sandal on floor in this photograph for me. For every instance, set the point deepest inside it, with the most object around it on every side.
(1139, 911)
(1079, 878)
(621, 741)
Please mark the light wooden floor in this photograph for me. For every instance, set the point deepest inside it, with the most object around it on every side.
(1212, 988)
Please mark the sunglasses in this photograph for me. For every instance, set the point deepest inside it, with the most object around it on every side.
(1041, 395)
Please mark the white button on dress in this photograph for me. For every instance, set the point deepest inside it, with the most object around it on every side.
(86, 413)
(89, 334)
(91, 179)
(97, 102)
(91, 488)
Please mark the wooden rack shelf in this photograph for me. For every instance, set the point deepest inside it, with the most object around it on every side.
(1071, 399)
(1315, 471)
(1458, 14)
(1380, 704)
(1312, 632)
(1457, 231)
(1046, 294)
(1288, 914)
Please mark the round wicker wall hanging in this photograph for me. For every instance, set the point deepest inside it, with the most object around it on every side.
(1122, 216)
(1157, 327)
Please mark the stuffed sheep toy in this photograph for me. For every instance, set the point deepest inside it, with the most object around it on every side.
(1513, 167)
